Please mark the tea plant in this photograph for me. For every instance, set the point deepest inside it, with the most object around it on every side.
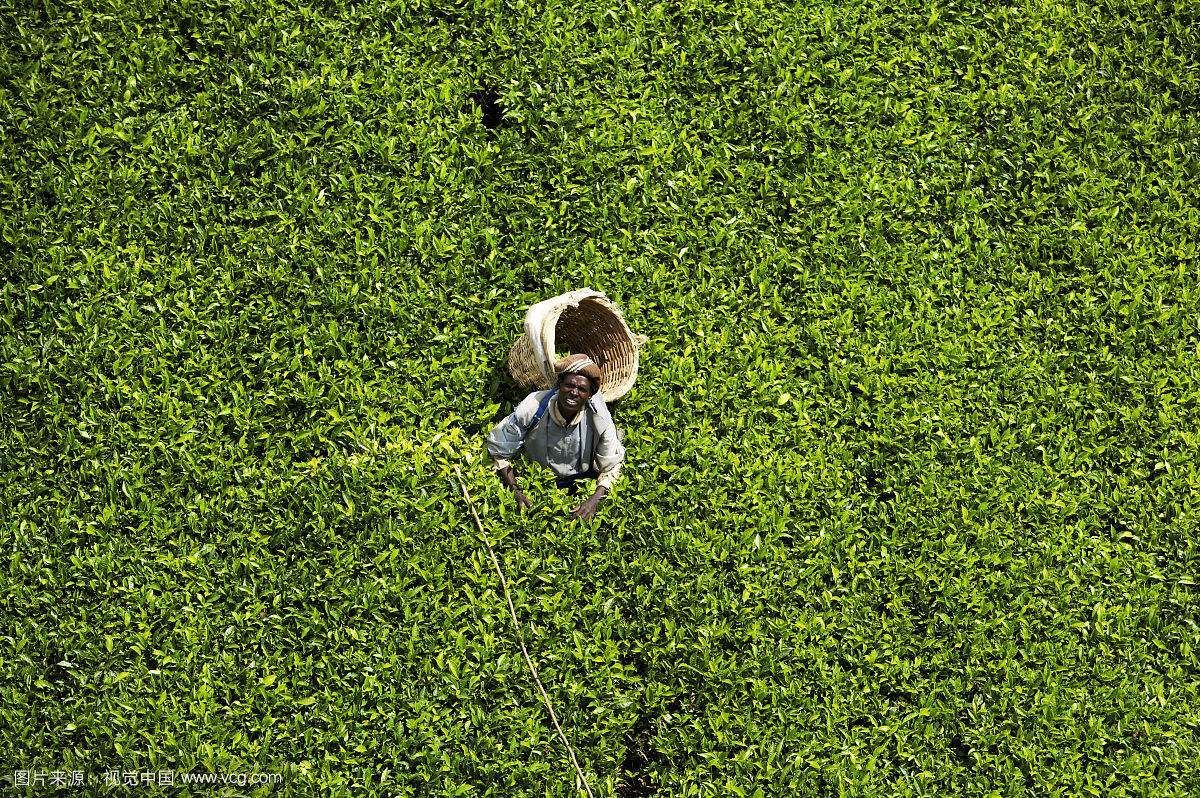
(910, 504)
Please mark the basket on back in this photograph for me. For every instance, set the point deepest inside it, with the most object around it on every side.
(583, 321)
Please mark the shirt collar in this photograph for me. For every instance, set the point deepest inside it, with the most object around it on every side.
(558, 417)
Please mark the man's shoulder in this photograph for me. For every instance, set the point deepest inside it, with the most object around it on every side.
(536, 397)
(529, 405)
(599, 407)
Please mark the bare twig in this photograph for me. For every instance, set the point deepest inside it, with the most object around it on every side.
(521, 638)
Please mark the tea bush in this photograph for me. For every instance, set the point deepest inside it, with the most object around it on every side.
(910, 504)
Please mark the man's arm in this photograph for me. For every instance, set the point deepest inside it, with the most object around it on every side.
(610, 456)
(506, 440)
(509, 478)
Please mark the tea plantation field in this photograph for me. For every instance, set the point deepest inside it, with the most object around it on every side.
(911, 504)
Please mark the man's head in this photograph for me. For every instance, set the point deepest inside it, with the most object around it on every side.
(579, 366)
(573, 392)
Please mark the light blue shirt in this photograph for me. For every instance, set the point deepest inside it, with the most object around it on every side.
(566, 448)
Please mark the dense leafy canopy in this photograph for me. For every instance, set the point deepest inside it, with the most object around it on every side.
(911, 501)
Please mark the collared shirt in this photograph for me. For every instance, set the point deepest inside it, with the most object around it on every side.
(562, 421)
(566, 448)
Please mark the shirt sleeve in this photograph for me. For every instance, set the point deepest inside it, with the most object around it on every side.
(507, 438)
(607, 478)
(610, 456)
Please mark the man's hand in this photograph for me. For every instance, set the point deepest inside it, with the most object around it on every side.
(587, 510)
(509, 478)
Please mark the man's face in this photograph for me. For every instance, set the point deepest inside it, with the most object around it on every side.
(573, 391)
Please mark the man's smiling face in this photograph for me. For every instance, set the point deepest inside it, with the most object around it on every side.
(573, 391)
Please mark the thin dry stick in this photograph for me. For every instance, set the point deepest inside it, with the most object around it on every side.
(520, 637)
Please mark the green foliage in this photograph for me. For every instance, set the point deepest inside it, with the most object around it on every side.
(910, 504)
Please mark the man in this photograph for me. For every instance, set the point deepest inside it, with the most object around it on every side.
(567, 429)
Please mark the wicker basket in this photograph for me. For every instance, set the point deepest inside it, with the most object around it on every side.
(583, 321)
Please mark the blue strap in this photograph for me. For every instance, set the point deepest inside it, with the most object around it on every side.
(541, 411)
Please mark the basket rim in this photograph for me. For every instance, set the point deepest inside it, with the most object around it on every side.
(540, 326)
